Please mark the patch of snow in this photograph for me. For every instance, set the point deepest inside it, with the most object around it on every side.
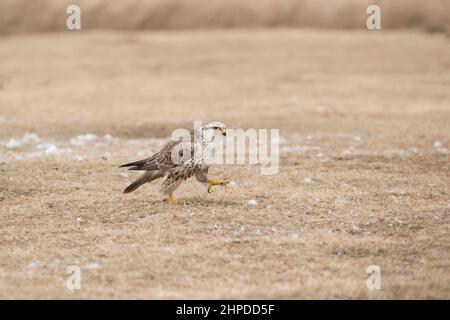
(307, 180)
(134, 141)
(33, 265)
(48, 148)
(26, 139)
(91, 266)
(252, 202)
(232, 184)
(340, 200)
(82, 139)
(437, 144)
(396, 191)
(30, 138)
(13, 143)
(322, 156)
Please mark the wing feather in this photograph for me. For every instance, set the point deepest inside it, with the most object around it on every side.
(162, 160)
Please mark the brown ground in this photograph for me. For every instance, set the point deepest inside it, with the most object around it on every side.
(365, 115)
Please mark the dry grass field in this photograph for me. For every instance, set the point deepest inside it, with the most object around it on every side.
(364, 178)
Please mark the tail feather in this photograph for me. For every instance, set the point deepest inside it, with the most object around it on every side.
(133, 164)
(145, 164)
(146, 177)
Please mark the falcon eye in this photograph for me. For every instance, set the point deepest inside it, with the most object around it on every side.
(215, 128)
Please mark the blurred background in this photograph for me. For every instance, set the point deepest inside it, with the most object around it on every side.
(45, 15)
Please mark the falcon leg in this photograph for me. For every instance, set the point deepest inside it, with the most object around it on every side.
(171, 199)
(216, 182)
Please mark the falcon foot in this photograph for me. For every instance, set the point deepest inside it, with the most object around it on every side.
(216, 182)
(170, 200)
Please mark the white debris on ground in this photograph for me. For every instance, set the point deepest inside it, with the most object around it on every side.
(91, 266)
(438, 146)
(31, 138)
(307, 180)
(396, 191)
(356, 142)
(322, 157)
(252, 202)
(33, 265)
(12, 144)
(232, 184)
(340, 201)
(19, 148)
(124, 174)
(48, 148)
(82, 139)
(28, 138)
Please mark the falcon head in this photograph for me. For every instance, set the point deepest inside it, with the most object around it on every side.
(214, 131)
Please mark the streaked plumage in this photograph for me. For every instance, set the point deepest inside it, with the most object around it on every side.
(176, 170)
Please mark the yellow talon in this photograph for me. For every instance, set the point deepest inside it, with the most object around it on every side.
(171, 200)
(216, 182)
